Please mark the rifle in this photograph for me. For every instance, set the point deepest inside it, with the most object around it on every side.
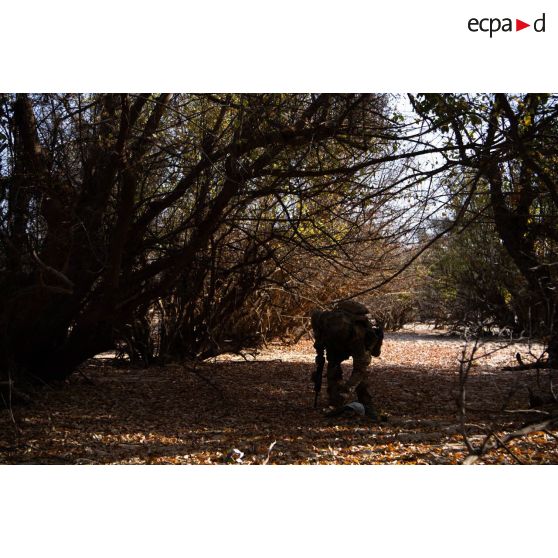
(317, 376)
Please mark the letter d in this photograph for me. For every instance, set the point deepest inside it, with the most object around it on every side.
(540, 21)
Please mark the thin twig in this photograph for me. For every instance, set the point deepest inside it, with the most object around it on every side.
(523, 431)
(266, 460)
(507, 448)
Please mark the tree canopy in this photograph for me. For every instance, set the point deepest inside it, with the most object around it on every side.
(182, 226)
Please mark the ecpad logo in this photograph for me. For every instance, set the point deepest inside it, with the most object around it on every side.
(492, 25)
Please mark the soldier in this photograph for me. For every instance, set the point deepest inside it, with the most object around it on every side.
(346, 332)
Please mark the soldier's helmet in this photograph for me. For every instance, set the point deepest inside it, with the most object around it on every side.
(374, 340)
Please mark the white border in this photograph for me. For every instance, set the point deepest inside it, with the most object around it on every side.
(275, 511)
(273, 45)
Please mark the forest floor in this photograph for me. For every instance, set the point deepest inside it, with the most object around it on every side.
(233, 410)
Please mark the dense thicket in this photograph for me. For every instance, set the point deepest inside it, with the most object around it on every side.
(468, 280)
(120, 212)
(506, 149)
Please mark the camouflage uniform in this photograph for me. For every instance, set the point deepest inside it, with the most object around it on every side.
(346, 332)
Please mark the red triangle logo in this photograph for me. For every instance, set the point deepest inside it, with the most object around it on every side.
(519, 25)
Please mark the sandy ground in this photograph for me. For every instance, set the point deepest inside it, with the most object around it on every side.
(234, 409)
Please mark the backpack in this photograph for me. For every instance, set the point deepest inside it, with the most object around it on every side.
(333, 329)
(352, 307)
(336, 329)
